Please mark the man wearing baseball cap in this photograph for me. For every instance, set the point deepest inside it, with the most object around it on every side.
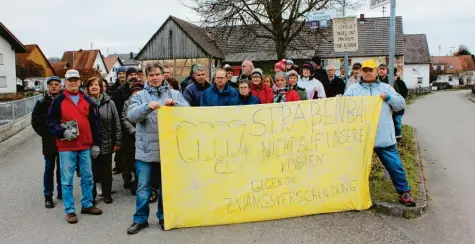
(385, 143)
(50, 151)
(76, 144)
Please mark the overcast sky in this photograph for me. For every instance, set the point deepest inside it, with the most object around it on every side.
(123, 26)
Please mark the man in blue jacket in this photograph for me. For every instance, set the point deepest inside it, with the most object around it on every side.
(220, 93)
(385, 143)
(194, 91)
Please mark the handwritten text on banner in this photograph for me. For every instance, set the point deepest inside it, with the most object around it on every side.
(223, 165)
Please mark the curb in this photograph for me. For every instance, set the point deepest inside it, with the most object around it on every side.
(16, 140)
(399, 210)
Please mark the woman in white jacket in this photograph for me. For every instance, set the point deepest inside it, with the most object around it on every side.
(312, 86)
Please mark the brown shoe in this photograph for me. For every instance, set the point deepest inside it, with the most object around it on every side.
(92, 211)
(72, 218)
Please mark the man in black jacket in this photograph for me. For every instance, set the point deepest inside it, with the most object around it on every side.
(401, 88)
(320, 74)
(119, 97)
(335, 85)
(121, 79)
(50, 152)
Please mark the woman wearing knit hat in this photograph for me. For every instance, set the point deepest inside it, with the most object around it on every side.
(313, 87)
(258, 89)
(279, 67)
(283, 92)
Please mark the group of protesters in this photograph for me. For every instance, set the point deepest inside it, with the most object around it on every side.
(121, 120)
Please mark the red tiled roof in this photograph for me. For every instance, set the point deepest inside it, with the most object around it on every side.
(110, 61)
(467, 63)
(83, 60)
(452, 64)
(22, 58)
(59, 68)
(10, 38)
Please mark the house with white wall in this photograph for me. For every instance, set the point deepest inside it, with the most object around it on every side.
(128, 59)
(468, 67)
(9, 46)
(416, 61)
(112, 63)
(447, 68)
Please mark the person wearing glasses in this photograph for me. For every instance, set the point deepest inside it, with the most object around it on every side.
(220, 93)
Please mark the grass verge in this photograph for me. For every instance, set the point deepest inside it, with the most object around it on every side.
(383, 190)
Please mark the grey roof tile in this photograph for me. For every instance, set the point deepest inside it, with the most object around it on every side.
(416, 49)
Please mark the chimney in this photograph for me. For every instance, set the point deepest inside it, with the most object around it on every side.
(131, 55)
(362, 17)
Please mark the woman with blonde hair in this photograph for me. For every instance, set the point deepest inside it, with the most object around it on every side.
(267, 80)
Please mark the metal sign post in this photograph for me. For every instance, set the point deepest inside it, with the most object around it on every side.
(345, 36)
(346, 53)
(392, 42)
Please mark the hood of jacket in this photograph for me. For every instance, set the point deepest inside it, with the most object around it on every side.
(157, 91)
(105, 98)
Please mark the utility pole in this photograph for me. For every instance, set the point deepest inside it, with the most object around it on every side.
(347, 70)
(392, 42)
(384, 10)
(439, 49)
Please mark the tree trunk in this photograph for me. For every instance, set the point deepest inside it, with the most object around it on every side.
(280, 46)
(280, 42)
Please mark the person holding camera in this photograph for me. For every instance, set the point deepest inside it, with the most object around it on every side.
(74, 121)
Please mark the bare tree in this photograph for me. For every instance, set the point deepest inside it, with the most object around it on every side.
(280, 21)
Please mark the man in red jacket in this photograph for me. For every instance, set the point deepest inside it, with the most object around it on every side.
(76, 142)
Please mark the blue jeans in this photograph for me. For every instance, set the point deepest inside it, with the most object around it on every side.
(397, 119)
(51, 161)
(69, 161)
(144, 188)
(391, 160)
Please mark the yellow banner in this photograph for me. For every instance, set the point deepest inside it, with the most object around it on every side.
(223, 165)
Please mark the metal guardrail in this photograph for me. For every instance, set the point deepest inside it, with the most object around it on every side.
(420, 90)
(13, 111)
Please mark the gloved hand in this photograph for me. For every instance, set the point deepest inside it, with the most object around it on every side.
(95, 150)
(69, 135)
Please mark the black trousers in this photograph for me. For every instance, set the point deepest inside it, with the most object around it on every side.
(102, 173)
(128, 159)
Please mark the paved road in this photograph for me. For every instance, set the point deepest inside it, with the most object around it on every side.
(442, 121)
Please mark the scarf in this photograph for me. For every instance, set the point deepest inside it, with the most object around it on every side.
(97, 101)
(279, 93)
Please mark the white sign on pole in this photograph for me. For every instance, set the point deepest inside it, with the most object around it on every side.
(377, 3)
(345, 34)
(319, 19)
